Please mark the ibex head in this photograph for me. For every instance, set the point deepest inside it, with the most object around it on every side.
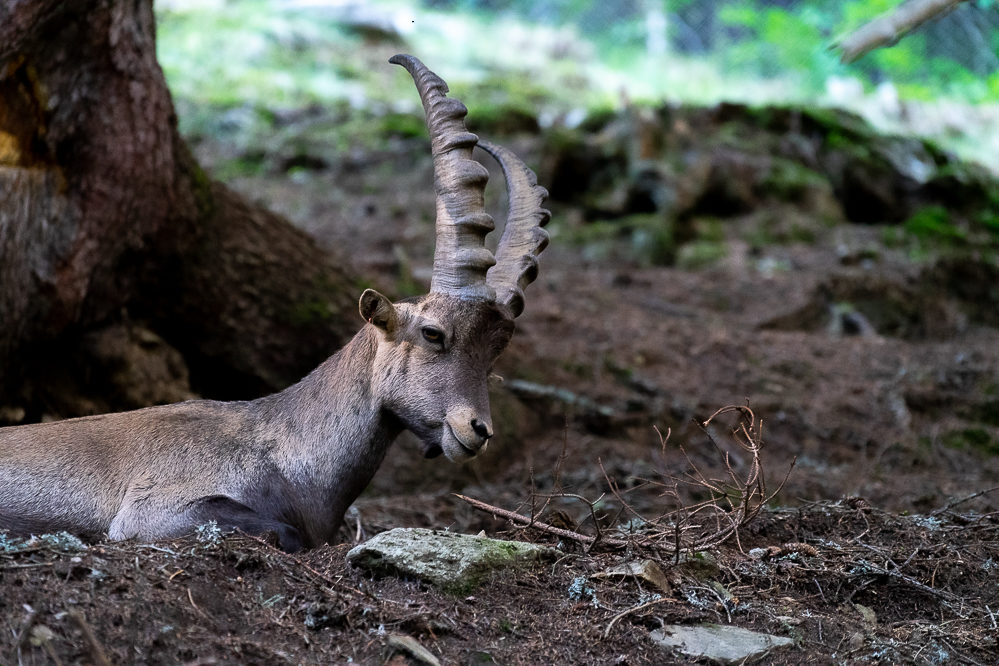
(435, 352)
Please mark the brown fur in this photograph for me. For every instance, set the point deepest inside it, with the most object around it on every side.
(289, 463)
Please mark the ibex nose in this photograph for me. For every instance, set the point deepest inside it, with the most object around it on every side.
(469, 431)
(482, 429)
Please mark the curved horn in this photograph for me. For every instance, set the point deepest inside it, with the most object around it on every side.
(523, 238)
(461, 259)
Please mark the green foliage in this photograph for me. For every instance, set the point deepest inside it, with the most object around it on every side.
(521, 63)
(255, 50)
(989, 218)
(504, 103)
(793, 42)
(932, 225)
(700, 254)
(791, 181)
(976, 439)
(644, 239)
(778, 42)
(402, 125)
(249, 52)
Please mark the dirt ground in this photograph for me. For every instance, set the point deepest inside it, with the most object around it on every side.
(872, 363)
(850, 584)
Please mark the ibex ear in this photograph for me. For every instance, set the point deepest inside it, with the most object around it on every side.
(378, 310)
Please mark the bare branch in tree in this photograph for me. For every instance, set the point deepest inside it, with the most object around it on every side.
(887, 29)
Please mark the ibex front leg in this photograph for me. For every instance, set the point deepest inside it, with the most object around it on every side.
(227, 513)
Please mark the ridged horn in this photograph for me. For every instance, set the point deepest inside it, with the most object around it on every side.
(461, 258)
(523, 237)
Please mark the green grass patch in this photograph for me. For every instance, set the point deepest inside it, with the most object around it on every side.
(932, 225)
(791, 181)
(700, 254)
(971, 439)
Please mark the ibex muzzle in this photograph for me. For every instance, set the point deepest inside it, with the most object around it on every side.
(294, 461)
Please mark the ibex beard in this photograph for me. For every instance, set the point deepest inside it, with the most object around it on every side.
(293, 462)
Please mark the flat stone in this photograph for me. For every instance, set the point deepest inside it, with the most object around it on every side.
(452, 562)
(645, 570)
(719, 643)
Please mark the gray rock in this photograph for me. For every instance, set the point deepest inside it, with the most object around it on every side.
(455, 563)
(721, 644)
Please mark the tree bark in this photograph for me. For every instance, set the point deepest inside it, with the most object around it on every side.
(105, 215)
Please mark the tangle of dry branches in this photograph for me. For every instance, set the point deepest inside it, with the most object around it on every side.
(731, 499)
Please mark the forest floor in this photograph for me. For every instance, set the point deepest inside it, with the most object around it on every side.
(878, 388)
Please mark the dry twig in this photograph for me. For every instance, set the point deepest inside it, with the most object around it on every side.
(633, 609)
(526, 521)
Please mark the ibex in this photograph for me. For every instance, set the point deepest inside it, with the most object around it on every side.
(292, 463)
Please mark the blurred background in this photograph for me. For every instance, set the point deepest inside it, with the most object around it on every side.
(557, 60)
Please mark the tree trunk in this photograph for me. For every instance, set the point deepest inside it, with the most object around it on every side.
(106, 217)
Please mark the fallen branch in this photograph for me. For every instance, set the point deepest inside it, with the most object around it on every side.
(961, 500)
(527, 521)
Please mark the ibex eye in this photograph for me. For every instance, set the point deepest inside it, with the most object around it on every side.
(434, 335)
